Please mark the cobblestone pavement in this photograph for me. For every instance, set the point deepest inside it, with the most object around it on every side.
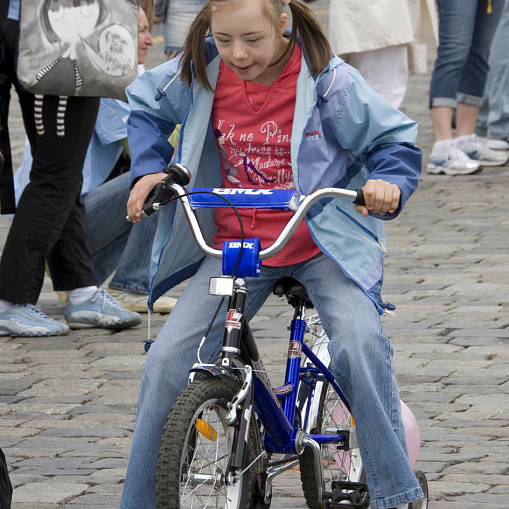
(67, 404)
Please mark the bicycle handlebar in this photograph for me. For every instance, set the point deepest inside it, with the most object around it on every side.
(178, 176)
(305, 204)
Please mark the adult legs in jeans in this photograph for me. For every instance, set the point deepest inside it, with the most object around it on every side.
(465, 34)
(50, 222)
(493, 119)
(118, 245)
(357, 340)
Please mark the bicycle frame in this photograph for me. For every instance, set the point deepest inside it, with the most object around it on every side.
(275, 406)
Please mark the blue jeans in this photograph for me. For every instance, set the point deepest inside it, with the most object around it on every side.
(493, 118)
(361, 359)
(465, 35)
(118, 245)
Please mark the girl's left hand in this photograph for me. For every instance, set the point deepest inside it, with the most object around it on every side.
(380, 197)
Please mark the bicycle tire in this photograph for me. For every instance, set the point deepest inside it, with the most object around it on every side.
(422, 503)
(183, 448)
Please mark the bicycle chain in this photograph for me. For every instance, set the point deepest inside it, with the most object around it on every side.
(276, 463)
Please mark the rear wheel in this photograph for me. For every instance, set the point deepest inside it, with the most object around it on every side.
(327, 415)
(422, 503)
(343, 464)
(192, 467)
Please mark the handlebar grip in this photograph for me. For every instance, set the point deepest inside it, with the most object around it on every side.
(162, 192)
(359, 200)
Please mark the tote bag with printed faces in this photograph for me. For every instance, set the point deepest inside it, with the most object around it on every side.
(78, 47)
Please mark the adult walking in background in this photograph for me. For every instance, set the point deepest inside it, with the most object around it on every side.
(466, 29)
(50, 221)
(493, 120)
(384, 40)
(177, 16)
(117, 246)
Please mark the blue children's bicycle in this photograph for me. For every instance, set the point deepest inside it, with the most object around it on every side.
(230, 432)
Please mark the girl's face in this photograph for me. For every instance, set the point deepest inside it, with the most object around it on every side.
(72, 23)
(247, 40)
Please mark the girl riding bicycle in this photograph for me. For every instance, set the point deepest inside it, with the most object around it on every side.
(262, 107)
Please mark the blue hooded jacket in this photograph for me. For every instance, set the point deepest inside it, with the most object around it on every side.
(361, 137)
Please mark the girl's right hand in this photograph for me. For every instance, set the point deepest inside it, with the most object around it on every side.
(139, 194)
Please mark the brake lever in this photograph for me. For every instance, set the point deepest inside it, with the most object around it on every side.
(160, 194)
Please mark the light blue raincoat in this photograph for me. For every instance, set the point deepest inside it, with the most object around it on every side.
(343, 134)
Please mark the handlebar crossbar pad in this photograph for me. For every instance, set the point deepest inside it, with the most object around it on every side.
(277, 199)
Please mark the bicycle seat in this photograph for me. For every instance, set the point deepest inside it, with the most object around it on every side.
(293, 290)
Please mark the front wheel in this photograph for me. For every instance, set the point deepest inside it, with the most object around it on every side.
(192, 467)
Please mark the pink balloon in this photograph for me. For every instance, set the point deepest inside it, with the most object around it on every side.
(413, 435)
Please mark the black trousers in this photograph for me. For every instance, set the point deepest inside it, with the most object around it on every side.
(50, 222)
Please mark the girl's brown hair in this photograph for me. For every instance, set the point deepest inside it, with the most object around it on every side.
(305, 25)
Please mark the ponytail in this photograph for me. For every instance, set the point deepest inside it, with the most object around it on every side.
(194, 49)
(315, 44)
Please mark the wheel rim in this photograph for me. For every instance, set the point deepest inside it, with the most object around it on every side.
(204, 461)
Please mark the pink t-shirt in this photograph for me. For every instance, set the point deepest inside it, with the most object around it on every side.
(253, 126)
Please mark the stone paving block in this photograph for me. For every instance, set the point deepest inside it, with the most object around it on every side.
(21, 479)
(57, 493)
(441, 489)
(89, 501)
(60, 390)
(502, 489)
(108, 489)
(18, 432)
(98, 431)
(483, 467)
(114, 419)
(109, 463)
(119, 362)
(482, 377)
(116, 393)
(31, 407)
(107, 476)
(30, 505)
(9, 442)
(66, 371)
(485, 499)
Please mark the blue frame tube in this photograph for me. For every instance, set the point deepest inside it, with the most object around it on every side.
(325, 371)
(270, 412)
(278, 420)
(298, 328)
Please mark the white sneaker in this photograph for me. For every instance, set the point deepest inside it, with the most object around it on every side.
(446, 158)
(477, 149)
(138, 301)
(495, 144)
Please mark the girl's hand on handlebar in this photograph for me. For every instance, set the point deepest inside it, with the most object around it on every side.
(139, 194)
(380, 197)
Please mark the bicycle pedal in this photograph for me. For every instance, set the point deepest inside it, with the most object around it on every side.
(347, 495)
